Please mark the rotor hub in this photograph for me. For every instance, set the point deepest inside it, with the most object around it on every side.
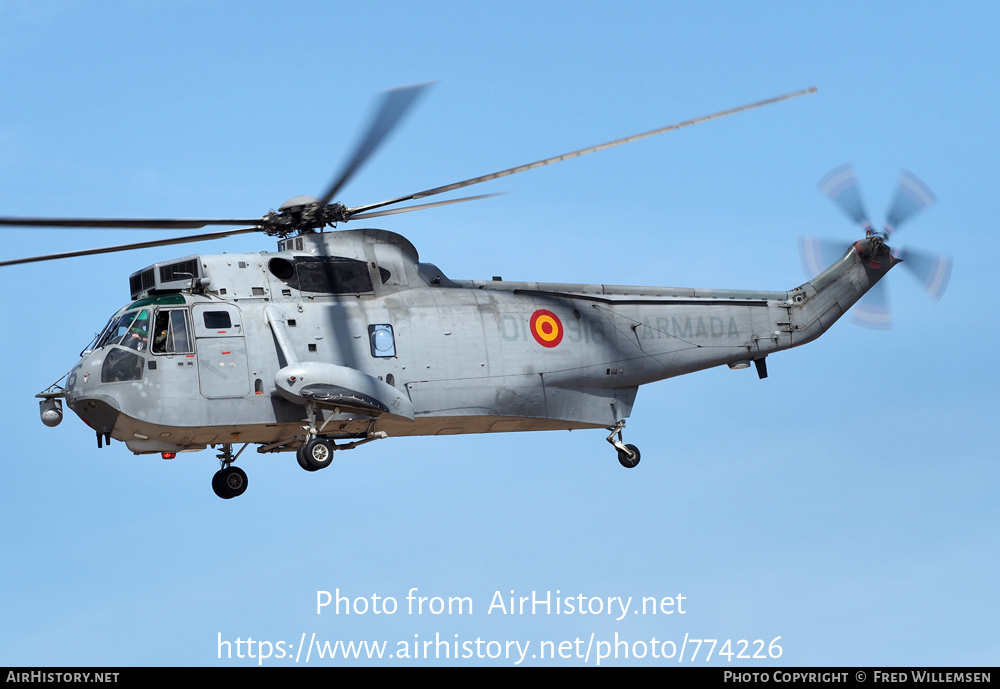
(874, 249)
(302, 214)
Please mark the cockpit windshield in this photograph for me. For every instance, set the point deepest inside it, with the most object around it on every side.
(99, 337)
(160, 331)
(131, 329)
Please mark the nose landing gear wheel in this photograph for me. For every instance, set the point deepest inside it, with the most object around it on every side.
(625, 460)
(230, 482)
(315, 454)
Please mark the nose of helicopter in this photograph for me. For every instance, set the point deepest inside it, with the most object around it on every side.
(97, 411)
(89, 399)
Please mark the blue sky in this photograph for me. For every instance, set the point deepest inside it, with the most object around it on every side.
(846, 504)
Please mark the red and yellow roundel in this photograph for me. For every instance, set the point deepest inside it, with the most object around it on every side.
(546, 328)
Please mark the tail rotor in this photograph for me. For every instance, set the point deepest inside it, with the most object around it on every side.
(912, 196)
(841, 186)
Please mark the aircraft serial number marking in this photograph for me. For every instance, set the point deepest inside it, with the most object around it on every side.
(513, 329)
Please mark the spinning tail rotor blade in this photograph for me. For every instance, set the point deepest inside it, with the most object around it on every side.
(819, 254)
(932, 271)
(841, 185)
(872, 311)
(912, 196)
(395, 103)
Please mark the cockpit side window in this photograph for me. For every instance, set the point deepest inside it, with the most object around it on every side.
(171, 332)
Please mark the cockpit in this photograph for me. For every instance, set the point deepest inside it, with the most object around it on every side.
(148, 329)
(130, 329)
(162, 330)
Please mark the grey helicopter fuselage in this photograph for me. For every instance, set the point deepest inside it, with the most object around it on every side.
(342, 338)
(346, 335)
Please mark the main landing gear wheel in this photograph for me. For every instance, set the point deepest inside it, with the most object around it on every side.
(230, 482)
(625, 460)
(315, 454)
(302, 460)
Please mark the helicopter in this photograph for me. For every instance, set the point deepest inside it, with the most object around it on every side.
(343, 337)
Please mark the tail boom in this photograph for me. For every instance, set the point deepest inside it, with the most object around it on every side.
(820, 302)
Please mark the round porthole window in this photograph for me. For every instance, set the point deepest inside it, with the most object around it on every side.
(383, 343)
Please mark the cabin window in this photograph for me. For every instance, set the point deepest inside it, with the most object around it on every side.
(217, 320)
(382, 341)
(171, 332)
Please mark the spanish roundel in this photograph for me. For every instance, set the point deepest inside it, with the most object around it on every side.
(546, 328)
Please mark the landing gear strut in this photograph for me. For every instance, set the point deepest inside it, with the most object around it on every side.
(229, 481)
(316, 452)
(628, 455)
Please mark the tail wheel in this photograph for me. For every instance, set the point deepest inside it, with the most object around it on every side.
(625, 460)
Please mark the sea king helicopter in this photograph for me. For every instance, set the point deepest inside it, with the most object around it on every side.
(344, 337)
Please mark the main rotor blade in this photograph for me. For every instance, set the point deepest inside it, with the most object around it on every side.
(423, 206)
(582, 151)
(116, 223)
(841, 186)
(128, 247)
(912, 196)
(395, 103)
